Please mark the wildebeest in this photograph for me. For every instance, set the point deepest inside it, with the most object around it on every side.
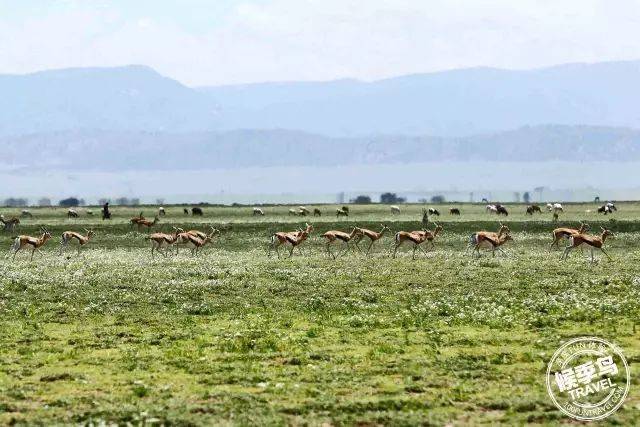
(533, 208)
(454, 211)
(196, 211)
(433, 211)
(501, 210)
(607, 208)
(317, 212)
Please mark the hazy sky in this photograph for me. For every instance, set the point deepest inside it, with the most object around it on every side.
(207, 42)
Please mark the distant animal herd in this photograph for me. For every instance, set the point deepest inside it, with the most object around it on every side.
(195, 239)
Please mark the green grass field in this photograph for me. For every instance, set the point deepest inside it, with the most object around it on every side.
(235, 337)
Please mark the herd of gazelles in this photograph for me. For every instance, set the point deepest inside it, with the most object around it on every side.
(195, 239)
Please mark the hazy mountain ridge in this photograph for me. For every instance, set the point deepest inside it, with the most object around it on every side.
(110, 150)
(450, 103)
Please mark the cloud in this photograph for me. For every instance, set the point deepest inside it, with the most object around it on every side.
(248, 41)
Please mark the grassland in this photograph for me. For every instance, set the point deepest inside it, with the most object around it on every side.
(235, 337)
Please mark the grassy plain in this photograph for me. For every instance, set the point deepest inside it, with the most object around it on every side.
(235, 337)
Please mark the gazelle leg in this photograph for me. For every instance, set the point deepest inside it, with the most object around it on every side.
(369, 247)
(604, 252)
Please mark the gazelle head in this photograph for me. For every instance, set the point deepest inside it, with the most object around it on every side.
(438, 228)
(506, 237)
(90, 233)
(45, 233)
(584, 226)
(504, 229)
(606, 233)
(385, 228)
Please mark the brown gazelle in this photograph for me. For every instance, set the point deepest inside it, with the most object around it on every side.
(416, 238)
(596, 242)
(35, 243)
(194, 242)
(136, 220)
(566, 233)
(431, 235)
(163, 240)
(184, 241)
(281, 237)
(69, 236)
(335, 235)
(504, 229)
(147, 223)
(372, 235)
(489, 241)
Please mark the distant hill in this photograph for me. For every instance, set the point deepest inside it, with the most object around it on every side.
(110, 150)
(451, 103)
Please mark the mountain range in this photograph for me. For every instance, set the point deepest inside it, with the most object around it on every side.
(134, 118)
(448, 104)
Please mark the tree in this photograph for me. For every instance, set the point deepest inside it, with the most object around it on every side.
(391, 198)
(15, 202)
(69, 202)
(361, 200)
(437, 199)
(526, 197)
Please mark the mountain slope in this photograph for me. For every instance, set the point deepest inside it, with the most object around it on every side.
(451, 103)
(109, 150)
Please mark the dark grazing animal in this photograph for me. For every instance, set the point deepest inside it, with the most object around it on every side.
(533, 208)
(195, 211)
(501, 210)
(454, 211)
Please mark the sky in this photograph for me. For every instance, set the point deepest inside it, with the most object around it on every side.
(217, 42)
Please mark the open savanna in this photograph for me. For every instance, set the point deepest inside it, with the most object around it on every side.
(235, 337)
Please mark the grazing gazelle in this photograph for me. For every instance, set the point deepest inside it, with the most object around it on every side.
(9, 224)
(282, 237)
(565, 233)
(335, 235)
(415, 237)
(372, 235)
(487, 240)
(163, 240)
(146, 223)
(69, 236)
(34, 242)
(576, 240)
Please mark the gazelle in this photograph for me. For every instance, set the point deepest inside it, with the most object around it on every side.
(566, 233)
(34, 242)
(504, 229)
(9, 224)
(69, 236)
(136, 220)
(576, 240)
(414, 237)
(430, 235)
(372, 235)
(184, 240)
(282, 237)
(146, 223)
(335, 235)
(296, 240)
(163, 240)
(484, 240)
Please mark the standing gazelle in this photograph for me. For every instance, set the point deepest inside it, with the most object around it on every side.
(335, 235)
(576, 240)
(417, 238)
(283, 237)
(372, 235)
(69, 236)
(163, 240)
(34, 242)
(489, 241)
(473, 239)
(431, 235)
